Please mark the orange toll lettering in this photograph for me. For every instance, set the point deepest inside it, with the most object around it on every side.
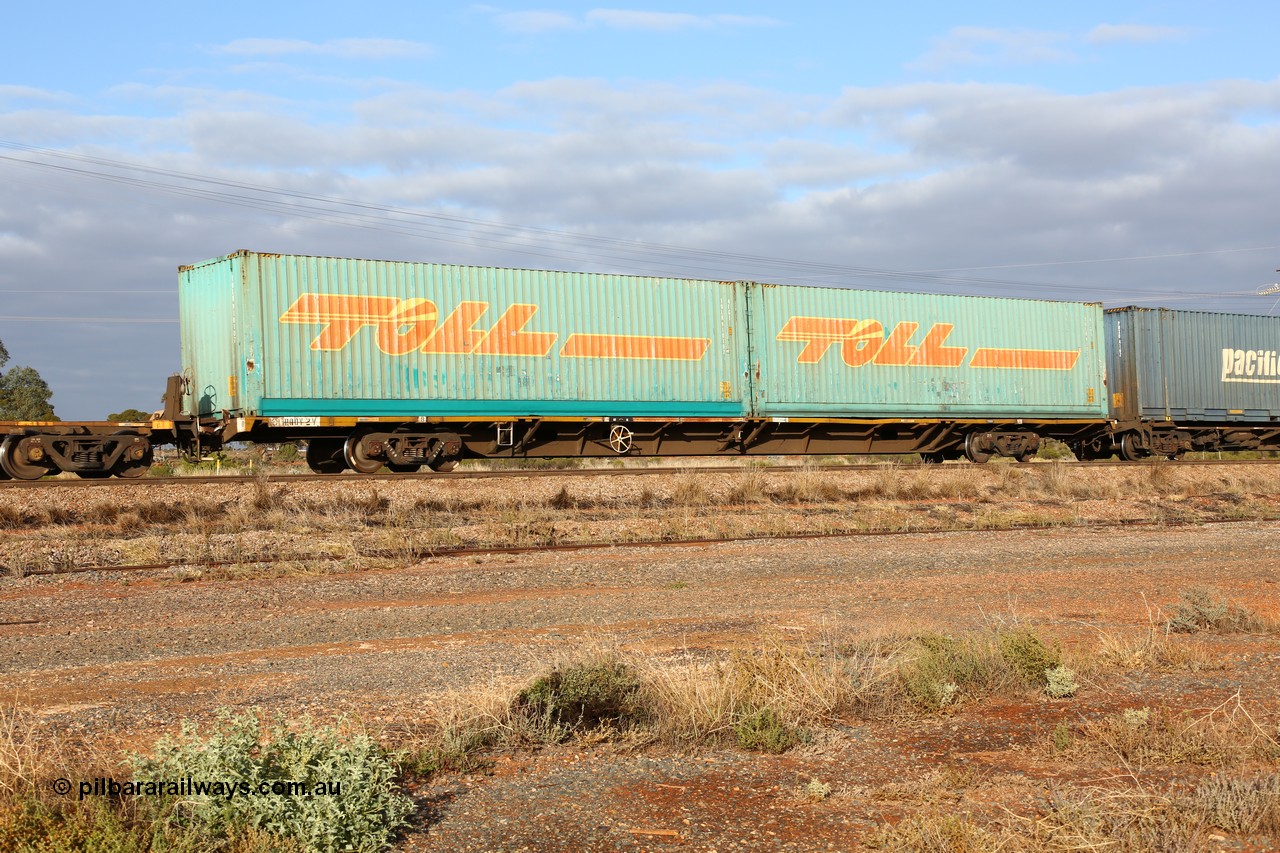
(341, 316)
(934, 354)
(1025, 359)
(863, 344)
(646, 347)
(457, 335)
(896, 351)
(507, 337)
(409, 327)
(817, 334)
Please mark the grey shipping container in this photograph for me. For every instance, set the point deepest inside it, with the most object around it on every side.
(1192, 366)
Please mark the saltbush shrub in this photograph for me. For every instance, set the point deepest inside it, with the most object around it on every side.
(361, 810)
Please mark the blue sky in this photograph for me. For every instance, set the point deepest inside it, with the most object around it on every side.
(1120, 152)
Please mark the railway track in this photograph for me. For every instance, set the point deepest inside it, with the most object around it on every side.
(465, 551)
(517, 473)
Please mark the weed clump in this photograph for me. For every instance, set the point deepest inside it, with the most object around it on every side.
(749, 489)
(580, 697)
(816, 791)
(12, 518)
(935, 833)
(689, 492)
(762, 730)
(1244, 805)
(1142, 736)
(1205, 610)
(1029, 656)
(943, 670)
(562, 499)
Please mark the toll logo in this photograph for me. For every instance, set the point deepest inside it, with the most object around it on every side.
(404, 326)
(1250, 365)
(862, 342)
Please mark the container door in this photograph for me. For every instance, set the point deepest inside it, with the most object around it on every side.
(207, 311)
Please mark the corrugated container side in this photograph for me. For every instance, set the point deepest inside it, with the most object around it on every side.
(337, 336)
(857, 353)
(1193, 366)
(208, 303)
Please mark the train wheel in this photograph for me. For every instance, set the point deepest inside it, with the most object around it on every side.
(134, 470)
(324, 456)
(972, 453)
(14, 461)
(1129, 449)
(138, 466)
(357, 459)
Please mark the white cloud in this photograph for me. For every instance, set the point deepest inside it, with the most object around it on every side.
(536, 21)
(626, 19)
(30, 93)
(1135, 33)
(991, 46)
(541, 21)
(353, 48)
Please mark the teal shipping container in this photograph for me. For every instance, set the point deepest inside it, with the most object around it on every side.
(828, 352)
(286, 335)
(1193, 366)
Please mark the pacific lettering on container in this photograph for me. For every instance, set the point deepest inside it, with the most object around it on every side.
(1250, 365)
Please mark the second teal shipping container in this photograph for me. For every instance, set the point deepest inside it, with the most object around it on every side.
(858, 353)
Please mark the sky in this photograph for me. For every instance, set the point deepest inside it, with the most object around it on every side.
(1125, 153)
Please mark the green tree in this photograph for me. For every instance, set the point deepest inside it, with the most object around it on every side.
(24, 395)
(129, 416)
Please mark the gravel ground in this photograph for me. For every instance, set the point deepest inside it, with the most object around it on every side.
(123, 657)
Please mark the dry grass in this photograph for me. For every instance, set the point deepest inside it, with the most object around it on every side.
(1094, 819)
(1151, 649)
(804, 685)
(1228, 735)
(689, 491)
(681, 505)
(23, 764)
(749, 487)
(808, 487)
